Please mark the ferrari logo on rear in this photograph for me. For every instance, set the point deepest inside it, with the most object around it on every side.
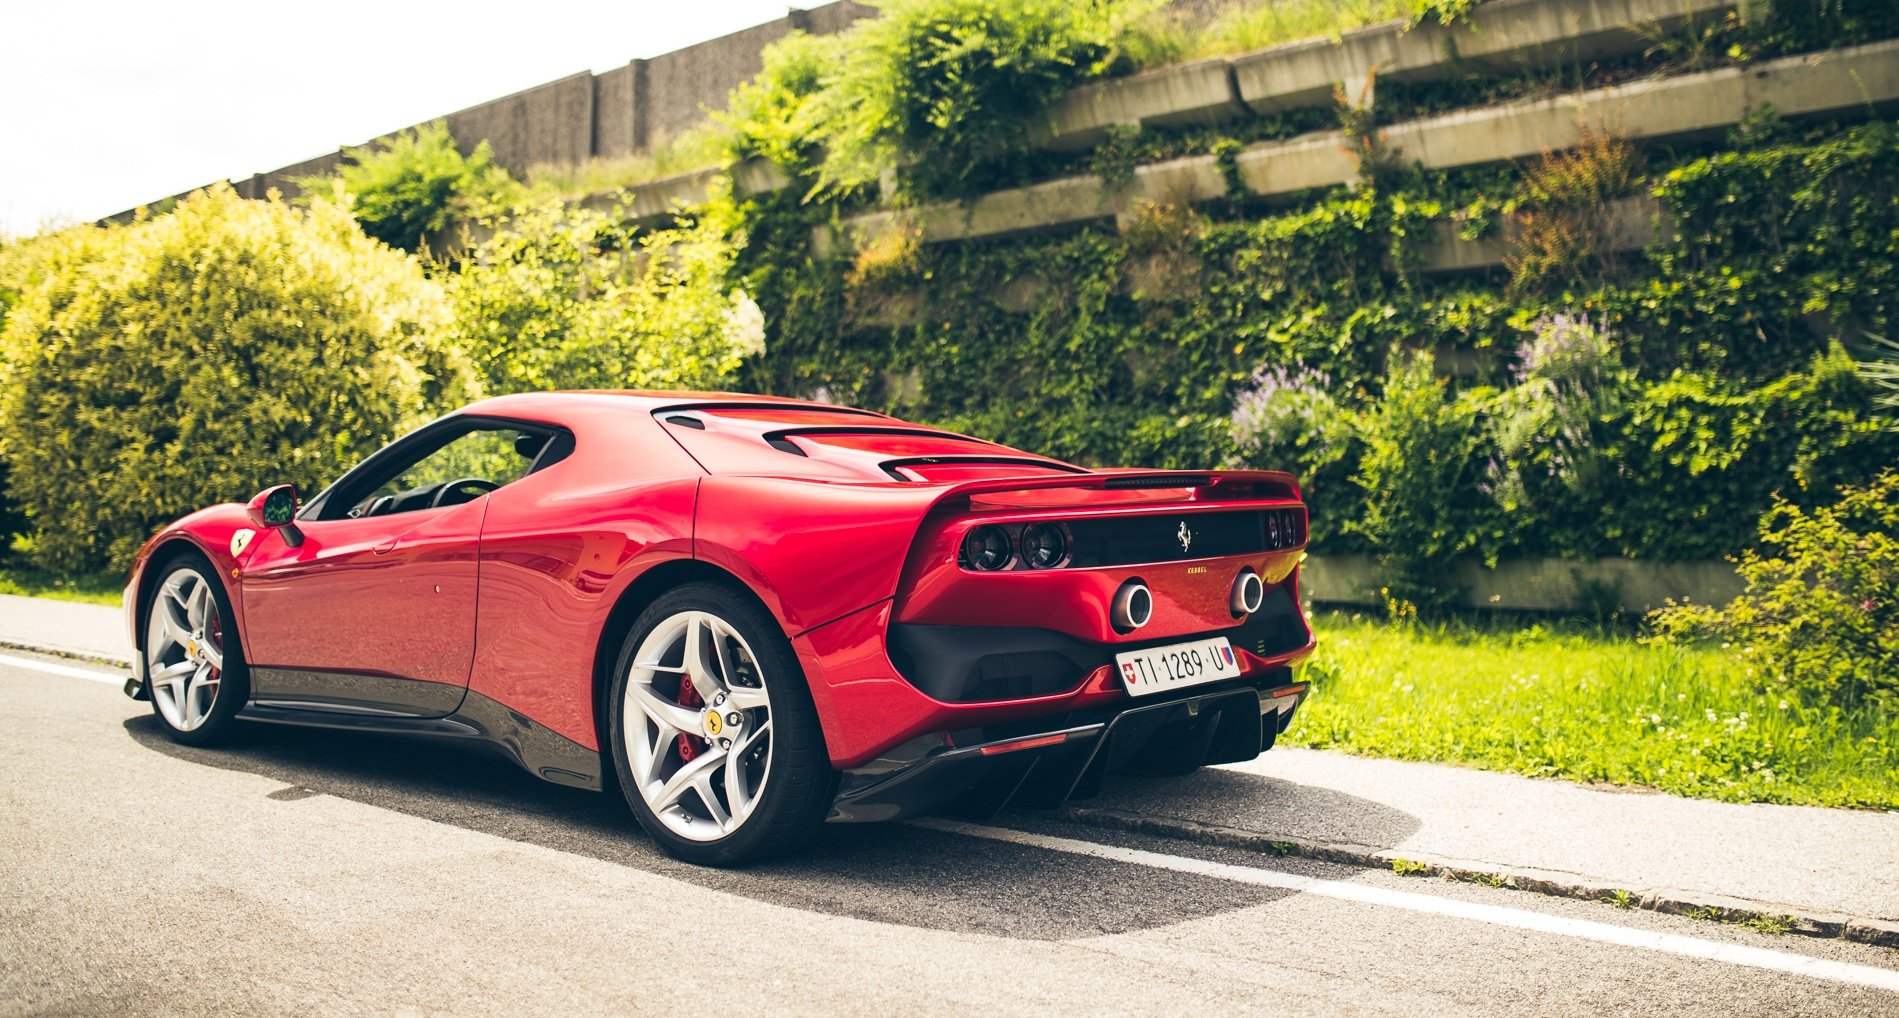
(1185, 537)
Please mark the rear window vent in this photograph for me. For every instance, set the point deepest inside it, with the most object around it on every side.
(1156, 482)
(685, 421)
(920, 468)
(783, 444)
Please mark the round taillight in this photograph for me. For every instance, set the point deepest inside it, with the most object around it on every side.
(1044, 546)
(987, 549)
(1133, 606)
(1248, 593)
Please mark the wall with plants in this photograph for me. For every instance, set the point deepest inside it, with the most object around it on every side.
(1579, 403)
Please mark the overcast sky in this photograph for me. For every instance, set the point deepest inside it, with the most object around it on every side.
(105, 104)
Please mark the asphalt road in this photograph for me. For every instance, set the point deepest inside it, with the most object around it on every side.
(340, 874)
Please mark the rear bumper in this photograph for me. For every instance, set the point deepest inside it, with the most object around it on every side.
(974, 773)
(877, 686)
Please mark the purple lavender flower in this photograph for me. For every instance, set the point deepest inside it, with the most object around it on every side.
(1287, 411)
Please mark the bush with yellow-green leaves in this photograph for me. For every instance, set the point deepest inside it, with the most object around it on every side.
(566, 297)
(198, 355)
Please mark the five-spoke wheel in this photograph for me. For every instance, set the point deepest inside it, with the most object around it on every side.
(715, 740)
(192, 660)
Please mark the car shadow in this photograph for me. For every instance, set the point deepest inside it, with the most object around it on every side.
(1258, 803)
(894, 873)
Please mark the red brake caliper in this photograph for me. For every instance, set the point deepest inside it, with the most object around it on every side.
(689, 699)
(215, 633)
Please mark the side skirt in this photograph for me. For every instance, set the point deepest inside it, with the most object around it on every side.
(541, 751)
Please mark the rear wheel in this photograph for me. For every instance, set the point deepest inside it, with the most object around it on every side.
(715, 740)
(194, 664)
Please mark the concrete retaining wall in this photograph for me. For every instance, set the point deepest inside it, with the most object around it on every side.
(1662, 109)
(549, 124)
(1504, 35)
(1539, 584)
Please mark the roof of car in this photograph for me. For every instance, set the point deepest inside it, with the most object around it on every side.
(741, 433)
(647, 399)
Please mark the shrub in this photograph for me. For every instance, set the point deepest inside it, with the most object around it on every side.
(1286, 419)
(1821, 612)
(1420, 473)
(25, 264)
(200, 355)
(1555, 428)
(1700, 453)
(1564, 228)
(406, 187)
(939, 87)
(779, 115)
(570, 298)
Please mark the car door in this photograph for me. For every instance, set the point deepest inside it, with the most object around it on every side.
(373, 608)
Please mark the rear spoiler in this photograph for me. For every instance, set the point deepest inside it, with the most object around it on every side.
(1152, 486)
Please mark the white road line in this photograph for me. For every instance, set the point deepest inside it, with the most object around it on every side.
(1668, 943)
(55, 668)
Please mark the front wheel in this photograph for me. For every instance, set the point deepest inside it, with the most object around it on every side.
(714, 737)
(194, 664)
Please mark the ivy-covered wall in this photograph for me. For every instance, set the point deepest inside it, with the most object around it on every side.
(1720, 362)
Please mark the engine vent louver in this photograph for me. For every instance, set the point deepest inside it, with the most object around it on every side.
(904, 469)
(1156, 482)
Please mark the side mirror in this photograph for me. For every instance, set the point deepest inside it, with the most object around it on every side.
(275, 508)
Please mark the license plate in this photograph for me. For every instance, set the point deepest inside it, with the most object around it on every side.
(1158, 669)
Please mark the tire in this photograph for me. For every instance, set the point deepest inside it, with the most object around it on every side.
(759, 759)
(194, 661)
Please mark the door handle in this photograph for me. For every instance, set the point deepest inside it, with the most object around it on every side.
(387, 546)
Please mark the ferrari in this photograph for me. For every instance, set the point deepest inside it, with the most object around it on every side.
(750, 615)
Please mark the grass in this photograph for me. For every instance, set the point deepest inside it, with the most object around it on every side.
(1589, 705)
(20, 579)
(1759, 922)
(104, 588)
(698, 149)
(1169, 35)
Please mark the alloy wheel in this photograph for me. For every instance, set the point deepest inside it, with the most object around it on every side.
(184, 649)
(697, 725)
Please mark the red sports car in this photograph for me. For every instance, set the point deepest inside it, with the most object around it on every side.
(751, 614)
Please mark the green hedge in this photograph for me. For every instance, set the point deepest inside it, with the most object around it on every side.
(201, 355)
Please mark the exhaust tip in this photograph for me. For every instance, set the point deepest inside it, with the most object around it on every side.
(1249, 592)
(1133, 606)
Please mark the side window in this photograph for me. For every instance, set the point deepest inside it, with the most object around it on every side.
(467, 467)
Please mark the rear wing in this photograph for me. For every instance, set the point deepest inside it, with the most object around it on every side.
(1119, 488)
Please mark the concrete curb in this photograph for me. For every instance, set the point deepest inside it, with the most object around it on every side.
(70, 654)
(1666, 900)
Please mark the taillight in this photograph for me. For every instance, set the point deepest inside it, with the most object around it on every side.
(988, 549)
(1044, 546)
